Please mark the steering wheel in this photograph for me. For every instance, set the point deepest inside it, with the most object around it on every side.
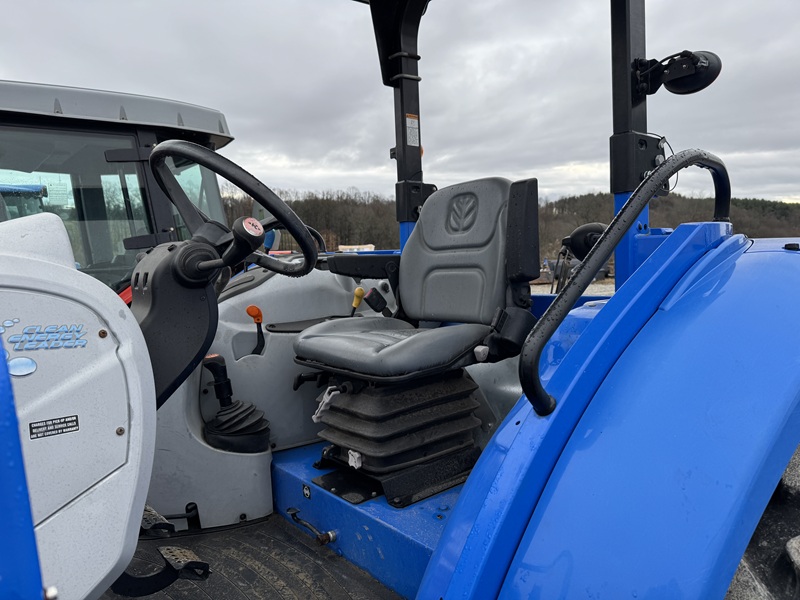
(271, 223)
(235, 174)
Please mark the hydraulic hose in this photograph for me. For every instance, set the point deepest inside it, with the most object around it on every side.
(543, 403)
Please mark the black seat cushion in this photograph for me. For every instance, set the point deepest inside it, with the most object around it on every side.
(379, 348)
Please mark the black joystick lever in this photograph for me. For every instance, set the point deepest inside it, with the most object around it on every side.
(247, 234)
(238, 426)
(196, 263)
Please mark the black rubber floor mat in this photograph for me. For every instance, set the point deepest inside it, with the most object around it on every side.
(265, 560)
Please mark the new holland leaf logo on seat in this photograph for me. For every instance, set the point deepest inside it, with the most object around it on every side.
(463, 213)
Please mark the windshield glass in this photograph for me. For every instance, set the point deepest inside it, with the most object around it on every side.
(66, 173)
(202, 188)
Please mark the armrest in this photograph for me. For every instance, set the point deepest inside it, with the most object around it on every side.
(369, 266)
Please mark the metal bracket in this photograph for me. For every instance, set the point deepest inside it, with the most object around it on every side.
(179, 563)
(322, 538)
(411, 195)
(153, 524)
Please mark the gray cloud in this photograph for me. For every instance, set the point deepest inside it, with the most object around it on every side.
(510, 87)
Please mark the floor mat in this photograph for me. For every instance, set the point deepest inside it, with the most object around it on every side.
(267, 560)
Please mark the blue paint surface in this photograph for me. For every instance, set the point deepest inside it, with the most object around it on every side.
(540, 302)
(673, 462)
(626, 259)
(647, 243)
(639, 242)
(19, 563)
(406, 227)
(394, 545)
(566, 335)
(493, 511)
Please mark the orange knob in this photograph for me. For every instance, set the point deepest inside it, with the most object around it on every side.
(255, 313)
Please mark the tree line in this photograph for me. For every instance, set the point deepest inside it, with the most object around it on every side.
(354, 217)
(342, 217)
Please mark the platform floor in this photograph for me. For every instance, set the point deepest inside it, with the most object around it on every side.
(264, 560)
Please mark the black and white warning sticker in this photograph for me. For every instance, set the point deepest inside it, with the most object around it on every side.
(412, 129)
(51, 427)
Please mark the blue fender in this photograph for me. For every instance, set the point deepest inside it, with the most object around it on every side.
(20, 578)
(669, 470)
(678, 412)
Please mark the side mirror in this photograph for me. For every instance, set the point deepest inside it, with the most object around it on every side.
(685, 72)
(706, 66)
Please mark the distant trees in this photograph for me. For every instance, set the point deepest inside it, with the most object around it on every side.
(558, 219)
(750, 216)
(341, 216)
(355, 217)
(347, 217)
(235, 202)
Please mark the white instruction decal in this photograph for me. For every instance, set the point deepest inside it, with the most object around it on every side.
(52, 427)
(412, 130)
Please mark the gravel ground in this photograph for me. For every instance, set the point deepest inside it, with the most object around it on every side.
(599, 288)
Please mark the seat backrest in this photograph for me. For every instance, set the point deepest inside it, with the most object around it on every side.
(453, 266)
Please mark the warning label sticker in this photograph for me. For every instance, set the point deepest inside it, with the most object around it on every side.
(412, 129)
(57, 426)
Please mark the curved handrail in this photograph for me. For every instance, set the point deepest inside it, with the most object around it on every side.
(543, 403)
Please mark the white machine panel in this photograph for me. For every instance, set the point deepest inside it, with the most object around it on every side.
(65, 374)
(85, 400)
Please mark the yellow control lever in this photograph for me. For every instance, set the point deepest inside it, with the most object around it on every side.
(358, 296)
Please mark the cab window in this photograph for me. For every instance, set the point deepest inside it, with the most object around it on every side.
(66, 173)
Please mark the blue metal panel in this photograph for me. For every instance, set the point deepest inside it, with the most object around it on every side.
(540, 302)
(639, 242)
(394, 545)
(406, 227)
(668, 472)
(269, 239)
(492, 513)
(626, 256)
(19, 563)
(566, 335)
(647, 243)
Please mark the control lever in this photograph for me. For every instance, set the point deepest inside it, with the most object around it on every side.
(248, 235)
(358, 296)
(238, 426)
(255, 313)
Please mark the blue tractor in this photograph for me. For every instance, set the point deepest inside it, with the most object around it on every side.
(453, 436)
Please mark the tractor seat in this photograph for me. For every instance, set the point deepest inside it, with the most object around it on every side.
(468, 261)
(386, 349)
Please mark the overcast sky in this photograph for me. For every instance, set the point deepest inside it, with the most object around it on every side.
(514, 88)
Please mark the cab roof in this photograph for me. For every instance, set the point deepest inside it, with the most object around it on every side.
(112, 107)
